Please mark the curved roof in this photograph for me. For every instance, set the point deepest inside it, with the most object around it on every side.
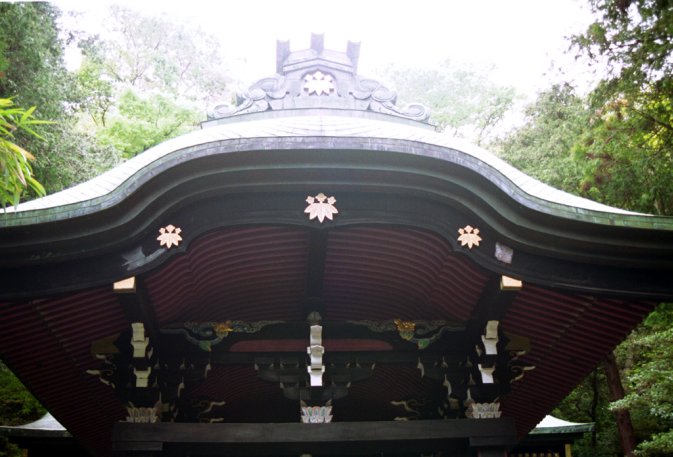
(551, 424)
(108, 188)
(400, 203)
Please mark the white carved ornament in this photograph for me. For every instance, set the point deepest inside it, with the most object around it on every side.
(139, 415)
(316, 414)
(469, 236)
(315, 350)
(483, 411)
(318, 83)
(169, 236)
(321, 207)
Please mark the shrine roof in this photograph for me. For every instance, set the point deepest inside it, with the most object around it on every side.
(552, 425)
(317, 94)
(213, 231)
(109, 188)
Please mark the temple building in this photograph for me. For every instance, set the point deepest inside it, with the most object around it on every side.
(317, 271)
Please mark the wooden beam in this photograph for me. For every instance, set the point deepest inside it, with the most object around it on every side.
(510, 284)
(452, 437)
(125, 286)
(137, 306)
(364, 357)
(496, 297)
(315, 271)
(451, 340)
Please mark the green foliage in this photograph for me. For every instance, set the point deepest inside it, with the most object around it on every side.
(35, 75)
(16, 173)
(142, 122)
(628, 153)
(463, 102)
(95, 90)
(543, 146)
(149, 80)
(154, 54)
(77, 156)
(17, 405)
(646, 356)
(588, 402)
(628, 147)
(8, 449)
(634, 38)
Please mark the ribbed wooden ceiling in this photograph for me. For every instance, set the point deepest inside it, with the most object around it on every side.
(261, 273)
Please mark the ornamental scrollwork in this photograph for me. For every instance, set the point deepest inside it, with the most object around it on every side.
(421, 333)
(205, 335)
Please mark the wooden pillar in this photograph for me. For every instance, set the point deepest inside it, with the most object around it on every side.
(568, 448)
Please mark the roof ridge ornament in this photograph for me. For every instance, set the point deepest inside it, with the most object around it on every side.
(319, 78)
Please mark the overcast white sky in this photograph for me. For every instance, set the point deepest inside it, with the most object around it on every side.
(519, 39)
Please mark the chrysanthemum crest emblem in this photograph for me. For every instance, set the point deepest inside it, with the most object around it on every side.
(321, 207)
(318, 83)
(170, 236)
(469, 236)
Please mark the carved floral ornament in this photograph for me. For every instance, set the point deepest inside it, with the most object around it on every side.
(316, 414)
(321, 207)
(169, 236)
(469, 236)
(318, 83)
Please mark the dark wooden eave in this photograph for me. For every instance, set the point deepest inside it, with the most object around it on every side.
(399, 182)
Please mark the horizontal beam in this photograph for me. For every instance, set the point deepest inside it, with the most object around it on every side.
(363, 357)
(237, 439)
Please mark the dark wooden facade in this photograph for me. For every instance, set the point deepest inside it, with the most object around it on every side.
(317, 247)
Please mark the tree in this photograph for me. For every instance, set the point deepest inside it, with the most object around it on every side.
(16, 173)
(628, 148)
(34, 74)
(634, 38)
(144, 121)
(646, 357)
(589, 402)
(544, 146)
(152, 54)
(463, 101)
(626, 152)
(147, 80)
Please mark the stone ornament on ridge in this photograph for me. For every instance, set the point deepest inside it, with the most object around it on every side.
(318, 83)
(322, 79)
(469, 236)
(170, 236)
(321, 207)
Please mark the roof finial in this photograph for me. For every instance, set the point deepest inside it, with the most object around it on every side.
(318, 42)
(282, 52)
(353, 53)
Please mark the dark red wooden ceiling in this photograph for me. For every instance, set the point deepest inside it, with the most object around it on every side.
(261, 273)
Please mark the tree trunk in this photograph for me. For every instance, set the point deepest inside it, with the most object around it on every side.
(622, 416)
